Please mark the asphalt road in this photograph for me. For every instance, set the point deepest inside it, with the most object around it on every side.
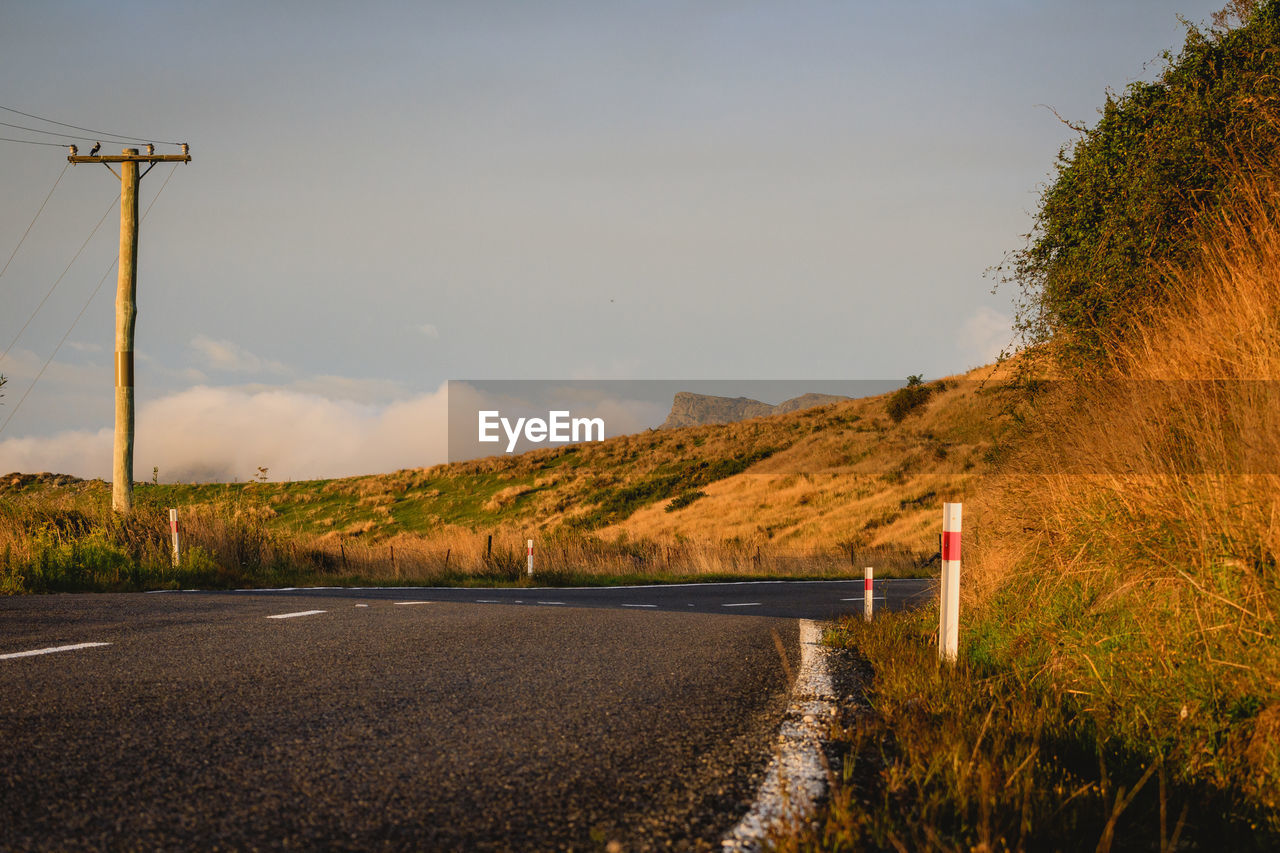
(395, 719)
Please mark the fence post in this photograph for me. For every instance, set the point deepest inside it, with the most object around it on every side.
(530, 558)
(949, 603)
(173, 528)
(867, 599)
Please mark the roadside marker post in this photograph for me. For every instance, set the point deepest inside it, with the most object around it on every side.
(949, 604)
(530, 558)
(173, 529)
(866, 593)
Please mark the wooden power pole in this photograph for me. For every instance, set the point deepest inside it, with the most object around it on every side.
(126, 310)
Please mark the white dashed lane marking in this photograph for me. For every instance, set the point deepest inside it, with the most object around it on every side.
(403, 603)
(743, 604)
(299, 613)
(52, 650)
(639, 605)
(551, 602)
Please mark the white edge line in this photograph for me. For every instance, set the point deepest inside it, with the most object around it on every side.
(51, 650)
(796, 776)
(405, 603)
(639, 605)
(930, 579)
(299, 613)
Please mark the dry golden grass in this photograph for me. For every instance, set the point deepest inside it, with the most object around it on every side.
(807, 511)
(459, 554)
(859, 478)
(1130, 553)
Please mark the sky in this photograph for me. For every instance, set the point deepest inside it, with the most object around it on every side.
(388, 195)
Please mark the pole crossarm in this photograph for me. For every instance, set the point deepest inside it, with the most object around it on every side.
(131, 158)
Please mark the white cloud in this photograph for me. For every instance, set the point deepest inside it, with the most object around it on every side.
(229, 356)
(984, 334)
(428, 330)
(208, 433)
(83, 453)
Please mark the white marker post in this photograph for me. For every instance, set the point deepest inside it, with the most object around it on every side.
(866, 593)
(530, 558)
(949, 605)
(173, 529)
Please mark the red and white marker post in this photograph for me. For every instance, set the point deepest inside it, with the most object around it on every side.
(173, 529)
(530, 558)
(949, 609)
(866, 593)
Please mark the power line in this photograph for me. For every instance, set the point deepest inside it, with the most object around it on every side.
(157, 196)
(58, 133)
(49, 360)
(58, 281)
(85, 129)
(32, 142)
(83, 308)
(33, 219)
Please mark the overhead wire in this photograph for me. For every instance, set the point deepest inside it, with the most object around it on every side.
(33, 220)
(87, 129)
(59, 279)
(32, 142)
(56, 133)
(83, 308)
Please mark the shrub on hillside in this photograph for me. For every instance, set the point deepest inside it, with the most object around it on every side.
(906, 400)
(1127, 194)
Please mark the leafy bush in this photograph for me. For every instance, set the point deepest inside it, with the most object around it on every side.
(906, 400)
(1127, 194)
(683, 500)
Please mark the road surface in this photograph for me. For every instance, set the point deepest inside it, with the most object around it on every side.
(395, 719)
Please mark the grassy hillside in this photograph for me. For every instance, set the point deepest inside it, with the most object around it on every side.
(819, 491)
(1119, 677)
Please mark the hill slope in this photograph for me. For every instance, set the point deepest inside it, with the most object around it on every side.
(755, 495)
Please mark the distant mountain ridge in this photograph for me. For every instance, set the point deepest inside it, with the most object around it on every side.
(689, 409)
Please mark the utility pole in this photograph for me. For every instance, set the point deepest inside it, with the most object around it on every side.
(126, 308)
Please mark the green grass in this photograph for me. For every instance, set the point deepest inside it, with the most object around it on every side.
(980, 757)
(65, 541)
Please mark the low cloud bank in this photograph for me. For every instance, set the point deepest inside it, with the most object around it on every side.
(224, 434)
